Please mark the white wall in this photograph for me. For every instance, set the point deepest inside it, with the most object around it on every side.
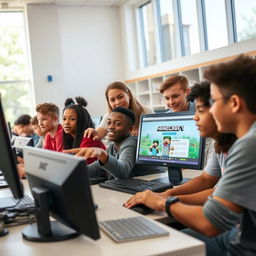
(80, 47)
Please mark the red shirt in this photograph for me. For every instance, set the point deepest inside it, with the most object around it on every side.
(88, 143)
(54, 143)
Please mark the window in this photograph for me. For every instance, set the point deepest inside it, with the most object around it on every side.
(167, 29)
(15, 86)
(190, 26)
(245, 13)
(215, 13)
(148, 33)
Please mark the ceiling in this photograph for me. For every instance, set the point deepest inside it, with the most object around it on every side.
(9, 3)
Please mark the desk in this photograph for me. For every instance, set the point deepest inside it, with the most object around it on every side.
(110, 207)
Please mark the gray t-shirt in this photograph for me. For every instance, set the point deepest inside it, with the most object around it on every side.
(215, 164)
(121, 162)
(238, 185)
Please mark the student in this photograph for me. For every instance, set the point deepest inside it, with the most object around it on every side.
(48, 120)
(75, 120)
(118, 160)
(227, 221)
(23, 127)
(38, 132)
(175, 90)
(197, 190)
(118, 95)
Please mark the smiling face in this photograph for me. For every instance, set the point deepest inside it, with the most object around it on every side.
(118, 98)
(204, 120)
(118, 127)
(176, 98)
(69, 121)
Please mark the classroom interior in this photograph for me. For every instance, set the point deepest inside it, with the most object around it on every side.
(78, 47)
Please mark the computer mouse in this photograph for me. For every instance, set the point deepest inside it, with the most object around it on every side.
(142, 209)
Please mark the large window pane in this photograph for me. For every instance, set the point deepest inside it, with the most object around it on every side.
(167, 29)
(15, 85)
(190, 26)
(216, 23)
(148, 29)
(16, 99)
(245, 11)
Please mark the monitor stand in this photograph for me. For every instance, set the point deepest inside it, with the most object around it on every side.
(45, 230)
(174, 177)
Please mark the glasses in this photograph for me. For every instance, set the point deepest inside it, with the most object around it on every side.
(212, 101)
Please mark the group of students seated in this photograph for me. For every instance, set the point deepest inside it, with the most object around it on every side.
(218, 206)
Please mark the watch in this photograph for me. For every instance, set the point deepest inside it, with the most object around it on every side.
(169, 201)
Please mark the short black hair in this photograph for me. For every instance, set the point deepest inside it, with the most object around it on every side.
(200, 91)
(127, 112)
(23, 120)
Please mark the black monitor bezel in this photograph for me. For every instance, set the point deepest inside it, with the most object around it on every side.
(10, 175)
(167, 164)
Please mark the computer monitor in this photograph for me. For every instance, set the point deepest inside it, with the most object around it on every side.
(96, 120)
(20, 142)
(8, 162)
(171, 140)
(60, 186)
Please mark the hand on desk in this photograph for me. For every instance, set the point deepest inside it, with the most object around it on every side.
(148, 198)
(21, 171)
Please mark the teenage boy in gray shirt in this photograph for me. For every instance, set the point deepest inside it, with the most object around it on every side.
(227, 221)
(197, 190)
(118, 160)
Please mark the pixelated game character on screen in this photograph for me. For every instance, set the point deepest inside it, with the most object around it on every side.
(154, 148)
(166, 145)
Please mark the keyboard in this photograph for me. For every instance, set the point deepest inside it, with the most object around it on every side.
(10, 203)
(130, 229)
(133, 186)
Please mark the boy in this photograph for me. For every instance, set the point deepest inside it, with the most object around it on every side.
(119, 158)
(175, 90)
(233, 92)
(23, 127)
(48, 120)
(37, 131)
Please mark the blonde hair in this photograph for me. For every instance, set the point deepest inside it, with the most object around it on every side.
(134, 105)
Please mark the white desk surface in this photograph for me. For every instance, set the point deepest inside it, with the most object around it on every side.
(110, 207)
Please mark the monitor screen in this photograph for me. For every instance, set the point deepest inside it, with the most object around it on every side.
(8, 162)
(171, 140)
(60, 186)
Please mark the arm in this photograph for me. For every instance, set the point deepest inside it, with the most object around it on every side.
(192, 216)
(122, 167)
(197, 184)
(198, 198)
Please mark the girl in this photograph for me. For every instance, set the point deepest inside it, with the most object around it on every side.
(75, 120)
(118, 95)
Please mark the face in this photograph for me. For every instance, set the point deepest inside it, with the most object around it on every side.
(24, 130)
(69, 121)
(176, 98)
(221, 111)
(37, 130)
(47, 123)
(117, 127)
(118, 98)
(204, 121)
